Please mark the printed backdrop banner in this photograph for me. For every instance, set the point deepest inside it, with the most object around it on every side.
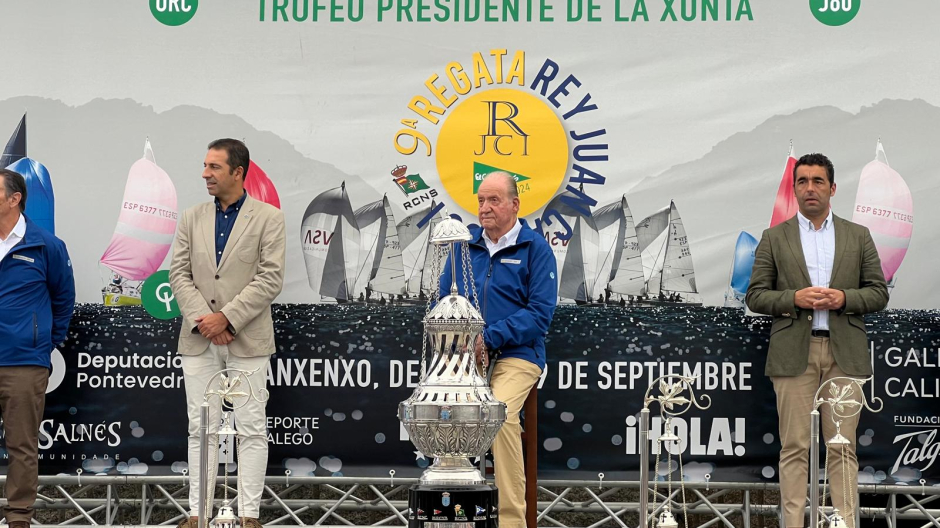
(117, 404)
(651, 141)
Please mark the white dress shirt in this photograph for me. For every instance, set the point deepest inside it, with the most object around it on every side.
(19, 231)
(509, 239)
(819, 250)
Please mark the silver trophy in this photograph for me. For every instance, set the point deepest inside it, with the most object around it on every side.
(846, 400)
(672, 403)
(231, 395)
(452, 414)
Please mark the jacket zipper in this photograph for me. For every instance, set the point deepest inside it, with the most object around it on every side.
(489, 271)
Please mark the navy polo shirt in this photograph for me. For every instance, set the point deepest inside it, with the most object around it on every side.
(224, 222)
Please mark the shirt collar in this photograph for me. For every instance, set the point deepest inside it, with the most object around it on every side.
(237, 205)
(20, 228)
(510, 237)
(807, 225)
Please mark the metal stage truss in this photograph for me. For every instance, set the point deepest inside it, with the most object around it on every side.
(138, 500)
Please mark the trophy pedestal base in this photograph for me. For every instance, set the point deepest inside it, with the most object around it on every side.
(452, 506)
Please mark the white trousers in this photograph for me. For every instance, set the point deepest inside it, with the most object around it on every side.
(250, 422)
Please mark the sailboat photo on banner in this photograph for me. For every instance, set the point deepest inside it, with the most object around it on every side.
(380, 272)
(620, 267)
(884, 204)
(15, 149)
(260, 187)
(417, 253)
(329, 237)
(40, 205)
(143, 234)
(741, 266)
(667, 260)
(576, 258)
(742, 261)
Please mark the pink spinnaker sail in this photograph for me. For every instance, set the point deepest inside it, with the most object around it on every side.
(885, 206)
(785, 205)
(147, 222)
(260, 187)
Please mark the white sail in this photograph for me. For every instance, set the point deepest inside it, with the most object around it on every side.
(372, 223)
(415, 248)
(330, 240)
(626, 275)
(673, 271)
(610, 223)
(650, 234)
(388, 275)
(576, 258)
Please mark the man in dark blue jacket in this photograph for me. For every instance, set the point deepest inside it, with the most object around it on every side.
(38, 296)
(514, 275)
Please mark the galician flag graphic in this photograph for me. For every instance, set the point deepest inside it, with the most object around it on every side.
(410, 183)
(480, 170)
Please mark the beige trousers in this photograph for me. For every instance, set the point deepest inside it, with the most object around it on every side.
(250, 422)
(794, 404)
(512, 380)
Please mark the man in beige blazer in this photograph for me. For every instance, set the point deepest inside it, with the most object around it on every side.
(228, 266)
(816, 274)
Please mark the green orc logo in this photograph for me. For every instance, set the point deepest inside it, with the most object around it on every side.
(173, 12)
(834, 12)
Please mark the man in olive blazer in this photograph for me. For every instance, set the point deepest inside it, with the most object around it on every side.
(816, 274)
(227, 268)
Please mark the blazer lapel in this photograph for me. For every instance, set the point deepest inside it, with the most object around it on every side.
(207, 221)
(792, 231)
(241, 222)
(841, 243)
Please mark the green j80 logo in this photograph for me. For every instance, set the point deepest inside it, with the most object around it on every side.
(834, 12)
(173, 12)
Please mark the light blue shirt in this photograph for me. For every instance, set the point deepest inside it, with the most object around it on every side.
(819, 250)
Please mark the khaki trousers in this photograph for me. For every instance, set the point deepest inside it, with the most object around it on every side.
(22, 400)
(794, 404)
(512, 380)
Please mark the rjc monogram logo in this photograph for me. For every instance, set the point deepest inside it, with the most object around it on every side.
(493, 128)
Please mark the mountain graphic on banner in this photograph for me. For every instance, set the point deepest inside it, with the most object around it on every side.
(480, 170)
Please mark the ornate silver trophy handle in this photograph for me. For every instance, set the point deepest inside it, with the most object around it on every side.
(672, 403)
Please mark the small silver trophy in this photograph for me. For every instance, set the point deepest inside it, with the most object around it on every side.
(846, 400)
(228, 392)
(452, 414)
(672, 403)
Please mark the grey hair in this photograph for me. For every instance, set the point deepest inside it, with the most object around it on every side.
(510, 182)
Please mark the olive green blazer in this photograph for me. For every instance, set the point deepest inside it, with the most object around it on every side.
(780, 270)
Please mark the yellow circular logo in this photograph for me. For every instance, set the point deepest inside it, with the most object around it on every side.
(503, 130)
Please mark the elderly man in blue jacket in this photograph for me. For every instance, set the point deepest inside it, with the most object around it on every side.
(38, 295)
(514, 275)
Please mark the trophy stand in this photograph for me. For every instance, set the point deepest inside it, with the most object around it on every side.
(228, 391)
(452, 414)
(672, 403)
(842, 404)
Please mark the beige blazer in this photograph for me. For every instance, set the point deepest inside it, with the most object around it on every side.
(780, 270)
(242, 286)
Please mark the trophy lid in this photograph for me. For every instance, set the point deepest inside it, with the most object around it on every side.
(453, 308)
(450, 230)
